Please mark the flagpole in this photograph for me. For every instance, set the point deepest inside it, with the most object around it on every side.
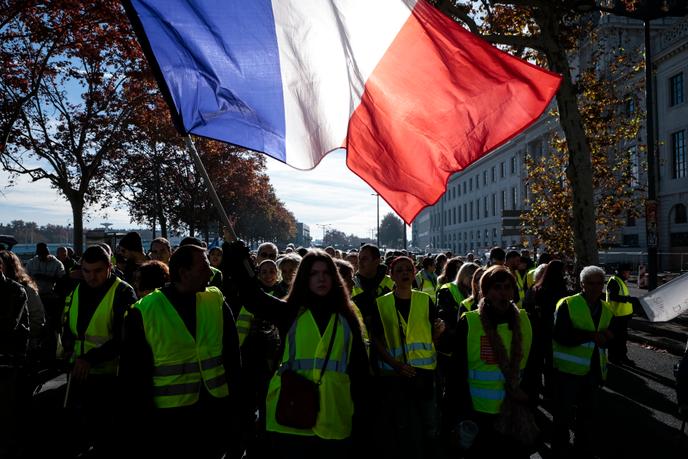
(213, 194)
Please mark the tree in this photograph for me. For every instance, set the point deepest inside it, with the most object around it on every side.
(68, 122)
(391, 231)
(547, 32)
(612, 124)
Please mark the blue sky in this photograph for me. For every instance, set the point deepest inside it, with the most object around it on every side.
(330, 194)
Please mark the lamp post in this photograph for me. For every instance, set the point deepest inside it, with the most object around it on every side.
(646, 11)
(378, 217)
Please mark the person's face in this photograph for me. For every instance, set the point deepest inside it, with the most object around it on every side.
(124, 252)
(367, 263)
(268, 274)
(500, 294)
(215, 258)
(331, 252)
(593, 286)
(288, 271)
(512, 263)
(431, 268)
(197, 277)
(95, 274)
(320, 279)
(402, 273)
(266, 253)
(625, 274)
(353, 259)
(160, 252)
(61, 254)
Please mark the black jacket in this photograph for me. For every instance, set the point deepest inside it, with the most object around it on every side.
(14, 322)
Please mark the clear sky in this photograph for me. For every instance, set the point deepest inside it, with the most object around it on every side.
(330, 195)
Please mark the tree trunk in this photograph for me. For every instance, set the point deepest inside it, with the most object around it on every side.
(163, 224)
(579, 170)
(78, 217)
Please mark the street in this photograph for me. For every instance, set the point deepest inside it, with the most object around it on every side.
(638, 411)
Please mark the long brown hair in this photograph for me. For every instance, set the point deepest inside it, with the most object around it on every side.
(15, 270)
(300, 294)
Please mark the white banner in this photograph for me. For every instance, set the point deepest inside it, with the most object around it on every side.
(667, 301)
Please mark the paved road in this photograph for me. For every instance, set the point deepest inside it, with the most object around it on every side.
(638, 410)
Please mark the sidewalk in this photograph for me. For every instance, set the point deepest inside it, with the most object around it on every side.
(670, 336)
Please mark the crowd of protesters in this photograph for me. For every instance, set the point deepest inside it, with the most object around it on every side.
(190, 352)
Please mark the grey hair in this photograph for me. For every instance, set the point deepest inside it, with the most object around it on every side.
(291, 257)
(268, 244)
(590, 271)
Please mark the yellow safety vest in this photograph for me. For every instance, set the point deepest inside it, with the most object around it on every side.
(426, 285)
(304, 352)
(468, 303)
(576, 360)
(618, 308)
(455, 292)
(244, 319)
(99, 330)
(530, 278)
(386, 285)
(417, 347)
(485, 379)
(182, 363)
(520, 283)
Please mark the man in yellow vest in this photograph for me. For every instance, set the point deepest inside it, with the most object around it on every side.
(621, 304)
(93, 318)
(370, 282)
(580, 337)
(180, 363)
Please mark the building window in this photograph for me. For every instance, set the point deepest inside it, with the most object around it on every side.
(470, 184)
(503, 200)
(465, 212)
(514, 199)
(678, 154)
(454, 216)
(513, 165)
(484, 177)
(477, 209)
(485, 206)
(630, 219)
(477, 182)
(494, 205)
(464, 187)
(501, 169)
(680, 214)
(493, 174)
(470, 206)
(676, 89)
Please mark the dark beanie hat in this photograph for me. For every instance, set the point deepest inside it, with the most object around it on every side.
(190, 240)
(132, 241)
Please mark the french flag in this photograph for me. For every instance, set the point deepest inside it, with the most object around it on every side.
(412, 96)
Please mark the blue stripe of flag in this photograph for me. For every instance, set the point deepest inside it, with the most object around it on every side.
(221, 64)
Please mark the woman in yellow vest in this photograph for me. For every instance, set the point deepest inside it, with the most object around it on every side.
(322, 343)
(403, 334)
(580, 337)
(426, 279)
(471, 302)
(490, 353)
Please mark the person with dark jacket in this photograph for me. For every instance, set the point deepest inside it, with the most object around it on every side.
(91, 337)
(622, 305)
(14, 344)
(131, 248)
(180, 366)
(316, 316)
(540, 303)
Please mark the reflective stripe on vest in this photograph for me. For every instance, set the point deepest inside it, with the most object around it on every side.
(417, 346)
(182, 363)
(576, 359)
(618, 308)
(243, 324)
(99, 329)
(485, 379)
(305, 351)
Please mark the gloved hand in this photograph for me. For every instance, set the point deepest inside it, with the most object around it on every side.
(236, 261)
